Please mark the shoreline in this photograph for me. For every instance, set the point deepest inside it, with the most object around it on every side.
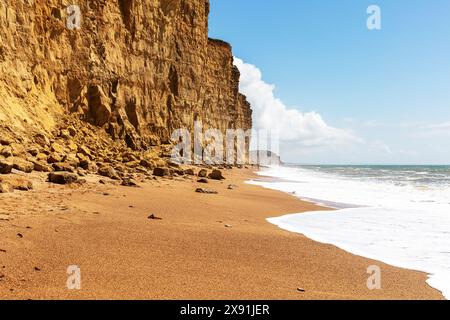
(205, 247)
(288, 222)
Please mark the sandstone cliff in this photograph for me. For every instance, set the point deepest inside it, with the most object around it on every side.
(135, 69)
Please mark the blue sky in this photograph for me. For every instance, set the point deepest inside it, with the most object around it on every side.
(389, 87)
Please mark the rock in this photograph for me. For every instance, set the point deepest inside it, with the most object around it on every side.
(6, 187)
(205, 191)
(216, 175)
(34, 151)
(189, 172)
(232, 187)
(203, 173)
(172, 164)
(41, 140)
(54, 158)
(109, 172)
(161, 172)
(72, 131)
(6, 165)
(65, 134)
(6, 152)
(148, 164)
(153, 217)
(228, 226)
(128, 182)
(99, 112)
(22, 165)
(56, 147)
(62, 166)
(18, 149)
(17, 182)
(62, 177)
(40, 166)
(85, 151)
(202, 180)
(72, 146)
(5, 141)
(301, 290)
(41, 157)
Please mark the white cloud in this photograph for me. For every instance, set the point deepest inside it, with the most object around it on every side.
(270, 113)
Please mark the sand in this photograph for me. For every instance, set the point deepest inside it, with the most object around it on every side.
(205, 246)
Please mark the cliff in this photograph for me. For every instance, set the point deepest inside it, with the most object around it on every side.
(137, 70)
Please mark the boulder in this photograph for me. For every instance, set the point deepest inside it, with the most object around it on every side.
(109, 172)
(41, 166)
(54, 158)
(161, 172)
(203, 173)
(62, 166)
(22, 165)
(206, 191)
(6, 165)
(62, 177)
(129, 182)
(216, 175)
(6, 152)
(189, 172)
(148, 164)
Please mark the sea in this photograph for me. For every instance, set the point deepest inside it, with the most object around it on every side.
(399, 215)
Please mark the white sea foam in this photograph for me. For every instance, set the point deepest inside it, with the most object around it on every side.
(390, 220)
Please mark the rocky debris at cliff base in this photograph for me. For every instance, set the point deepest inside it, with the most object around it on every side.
(203, 180)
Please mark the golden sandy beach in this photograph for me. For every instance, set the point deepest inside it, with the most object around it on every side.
(205, 246)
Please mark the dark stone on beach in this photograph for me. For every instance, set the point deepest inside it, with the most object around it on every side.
(153, 217)
(128, 182)
(109, 172)
(301, 290)
(161, 172)
(203, 180)
(232, 187)
(216, 175)
(62, 177)
(189, 172)
(203, 173)
(206, 191)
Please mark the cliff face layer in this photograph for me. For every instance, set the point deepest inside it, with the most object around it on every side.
(137, 69)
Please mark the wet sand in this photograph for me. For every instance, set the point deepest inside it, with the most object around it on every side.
(205, 247)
